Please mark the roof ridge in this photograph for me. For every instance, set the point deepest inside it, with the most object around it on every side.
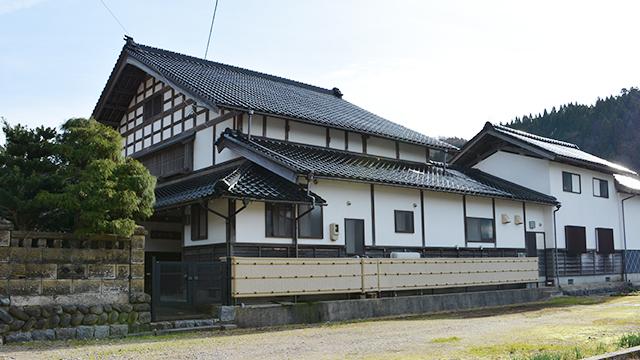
(206, 62)
(534, 136)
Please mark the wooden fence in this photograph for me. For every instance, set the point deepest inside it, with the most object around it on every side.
(261, 277)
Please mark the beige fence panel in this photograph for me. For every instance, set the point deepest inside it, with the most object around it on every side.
(259, 277)
(256, 277)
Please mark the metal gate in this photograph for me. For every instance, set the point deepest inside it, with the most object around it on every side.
(183, 290)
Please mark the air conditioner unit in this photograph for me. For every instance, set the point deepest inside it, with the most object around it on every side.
(405, 255)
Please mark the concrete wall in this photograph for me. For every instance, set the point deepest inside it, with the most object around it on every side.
(345, 310)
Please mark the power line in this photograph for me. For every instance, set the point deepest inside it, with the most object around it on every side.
(115, 17)
(213, 19)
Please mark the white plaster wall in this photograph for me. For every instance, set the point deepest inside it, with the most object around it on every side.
(632, 221)
(509, 235)
(380, 147)
(225, 154)
(307, 134)
(256, 125)
(413, 152)
(355, 142)
(479, 207)
(584, 209)
(250, 225)
(337, 194)
(542, 216)
(523, 170)
(336, 139)
(444, 219)
(276, 128)
(203, 149)
(216, 231)
(388, 199)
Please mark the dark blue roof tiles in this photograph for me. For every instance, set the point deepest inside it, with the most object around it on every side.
(230, 86)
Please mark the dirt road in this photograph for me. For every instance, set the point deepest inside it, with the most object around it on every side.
(581, 325)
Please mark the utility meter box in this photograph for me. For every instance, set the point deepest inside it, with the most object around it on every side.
(334, 231)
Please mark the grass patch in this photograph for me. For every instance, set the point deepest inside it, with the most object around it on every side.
(575, 300)
(528, 351)
(445, 340)
(629, 340)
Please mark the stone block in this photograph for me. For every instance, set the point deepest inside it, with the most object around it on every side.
(227, 313)
(162, 325)
(76, 319)
(16, 325)
(133, 317)
(144, 317)
(65, 333)
(83, 309)
(137, 285)
(137, 271)
(56, 256)
(5, 301)
(18, 313)
(54, 321)
(25, 255)
(4, 328)
(5, 270)
(103, 319)
(142, 307)
(140, 230)
(56, 287)
(42, 323)
(90, 319)
(17, 271)
(96, 309)
(5, 254)
(25, 287)
(123, 317)
(4, 288)
(122, 271)
(86, 286)
(29, 324)
(137, 256)
(84, 332)
(115, 256)
(44, 271)
(5, 237)
(71, 271)
(205, 322)
(18, 337)
(101, 332)
(65, 320)
(69, 309)
(115, 286)
(137, 242)
(99, 271)
(183, 324)
(113, 317)
(43, 335)
(138, 328)
(126, 308)
(5, 317)
(118, 330)
(33, 311)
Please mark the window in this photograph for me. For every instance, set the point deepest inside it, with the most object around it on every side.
(571, 182)
(152, 107)
(480, 230)
(199, 222)
(600, 188)
(576, 239)
(310, 224)
(279, 221)
(173, 160)
(404, 221)
(604, 238)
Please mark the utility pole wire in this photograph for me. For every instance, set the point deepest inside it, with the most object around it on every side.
(213, 19)
(114, 17)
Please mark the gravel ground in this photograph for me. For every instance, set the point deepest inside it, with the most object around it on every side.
(496, 333)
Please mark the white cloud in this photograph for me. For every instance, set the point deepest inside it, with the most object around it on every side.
(9, 6)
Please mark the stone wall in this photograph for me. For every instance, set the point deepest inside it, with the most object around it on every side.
(59, 286)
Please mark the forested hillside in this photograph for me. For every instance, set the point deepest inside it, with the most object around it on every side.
(609, 129)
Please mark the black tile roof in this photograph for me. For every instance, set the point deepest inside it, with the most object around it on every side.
(243, 181)
(233, 87)
(331, 163)
(552, 149)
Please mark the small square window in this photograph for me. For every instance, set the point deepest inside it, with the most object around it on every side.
(600, 188)
(571, 182)
(480, 230)
(199, 219)
(310, 224)
(404, 221)
(152, 107)
(279, 220)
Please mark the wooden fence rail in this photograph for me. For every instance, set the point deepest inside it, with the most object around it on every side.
(261, 277)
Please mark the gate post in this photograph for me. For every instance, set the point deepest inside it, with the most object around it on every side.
(227, 296)
(155, 288)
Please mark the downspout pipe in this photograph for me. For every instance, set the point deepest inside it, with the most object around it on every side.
(624, 240)
(555, 246)
(249, 121)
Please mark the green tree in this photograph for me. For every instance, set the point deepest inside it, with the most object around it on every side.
(77, 180)
(29, 165)
(106, 192)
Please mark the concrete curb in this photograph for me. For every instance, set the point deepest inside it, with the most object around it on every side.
(630, 353)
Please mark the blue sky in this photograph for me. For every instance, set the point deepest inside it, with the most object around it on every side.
(440, 67)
